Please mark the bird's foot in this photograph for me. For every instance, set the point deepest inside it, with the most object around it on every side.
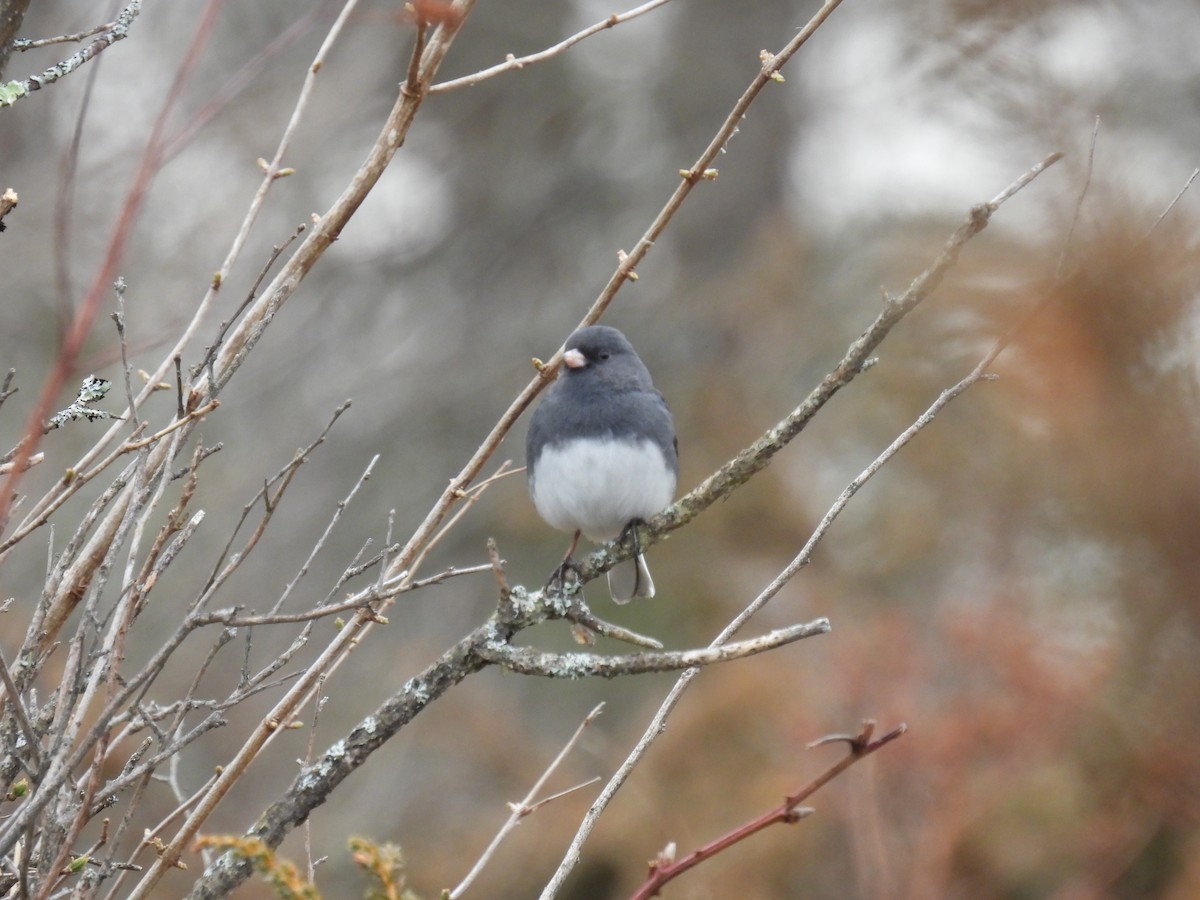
(630, 533)
(557, 581)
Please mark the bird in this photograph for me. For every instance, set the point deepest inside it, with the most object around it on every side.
(601, 453)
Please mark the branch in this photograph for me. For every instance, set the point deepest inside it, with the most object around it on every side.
(1170, 206)
(528, 661)
(231, 618)
(313, 785)
(789, 812)
(23, 45)
(525, 807)
(119, 29)
(512, 63)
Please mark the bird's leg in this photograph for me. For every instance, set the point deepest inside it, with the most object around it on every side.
(559, 575)
(630, 533)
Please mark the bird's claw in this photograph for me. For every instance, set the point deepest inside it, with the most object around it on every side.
(557, 582)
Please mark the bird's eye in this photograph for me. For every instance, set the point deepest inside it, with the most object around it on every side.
(604, 354)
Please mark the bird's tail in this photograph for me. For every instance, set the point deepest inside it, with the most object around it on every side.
(630, 579)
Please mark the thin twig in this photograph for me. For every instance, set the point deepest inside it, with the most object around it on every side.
(525, 806)
(370, 595)
(280, 481)
(472, 496)
(118, 317)
(199, 413)
(1083, 190)
(1171, 205)
(338, 512)
(109, 35)
(22, 45)
(205, 364)
(318, 703)
(511, 62)
(530, 661)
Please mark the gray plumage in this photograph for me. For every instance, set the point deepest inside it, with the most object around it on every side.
(601, 449)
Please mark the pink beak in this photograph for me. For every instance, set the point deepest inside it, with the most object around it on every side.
(573, 359)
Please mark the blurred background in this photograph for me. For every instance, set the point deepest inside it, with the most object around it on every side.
(1021, 585)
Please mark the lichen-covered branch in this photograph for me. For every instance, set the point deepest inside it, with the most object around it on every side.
(531, 661)
(13, 91)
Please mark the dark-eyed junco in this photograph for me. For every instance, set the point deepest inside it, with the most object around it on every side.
(601, 451)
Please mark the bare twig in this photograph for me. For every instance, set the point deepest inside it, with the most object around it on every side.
(225, 565)
(22, 44)
(205, 364)
(472, 496)
(1083, 190)
(512, 63)
(34, 460)
(109, 35)
(232, 619)
(1170, 206)
(333, 521)
(318, 704)
(118, 317)
(529, 661)
(525, 806)
(188, 418)
(578, 614)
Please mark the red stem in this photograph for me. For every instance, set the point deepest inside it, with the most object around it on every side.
(860, 747)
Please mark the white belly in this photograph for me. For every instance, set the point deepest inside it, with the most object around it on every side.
(599, 487)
